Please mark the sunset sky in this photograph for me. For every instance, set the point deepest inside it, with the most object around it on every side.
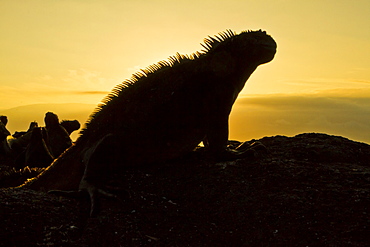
(76, 51)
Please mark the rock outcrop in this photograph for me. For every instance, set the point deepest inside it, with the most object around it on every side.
(310, 190)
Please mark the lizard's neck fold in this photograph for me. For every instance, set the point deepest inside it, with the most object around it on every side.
(244, 75)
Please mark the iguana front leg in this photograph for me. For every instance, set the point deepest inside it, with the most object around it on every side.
(216, 140)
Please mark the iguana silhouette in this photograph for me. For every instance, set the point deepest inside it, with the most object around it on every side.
(161, 113)
(37, 153)
(58, 138)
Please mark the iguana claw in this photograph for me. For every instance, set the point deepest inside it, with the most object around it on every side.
(244, 150)
(89, 189)
(94, 193)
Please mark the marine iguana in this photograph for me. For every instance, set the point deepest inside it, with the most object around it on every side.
(70, 125)
(4, 133)
(162, 113)
(37, 153)
(58, 138)
(33, 125)
(4, 120)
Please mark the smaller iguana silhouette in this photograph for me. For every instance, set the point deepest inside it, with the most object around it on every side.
(28, 148)
(33, 125)
(70, 125)
(37, 153)
(58, 139)
(4, 133)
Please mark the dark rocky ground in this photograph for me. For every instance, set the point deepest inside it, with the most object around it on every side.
(310, 190)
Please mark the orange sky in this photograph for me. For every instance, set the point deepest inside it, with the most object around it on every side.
(75, 51)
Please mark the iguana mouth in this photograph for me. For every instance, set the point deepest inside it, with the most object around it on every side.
(270, 47)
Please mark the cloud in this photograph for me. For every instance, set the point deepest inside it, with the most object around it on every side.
(321, 86)
(72, 80)
(362, 81)
(92, 92)
(44, 78)
(263, 115)
(74, 86)
(83, 77)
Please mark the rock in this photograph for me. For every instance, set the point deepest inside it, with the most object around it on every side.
(310, 190)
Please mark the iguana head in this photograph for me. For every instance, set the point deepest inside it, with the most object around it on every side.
(51, 119)
(251, 46)
(3, 131)
(4, 120)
